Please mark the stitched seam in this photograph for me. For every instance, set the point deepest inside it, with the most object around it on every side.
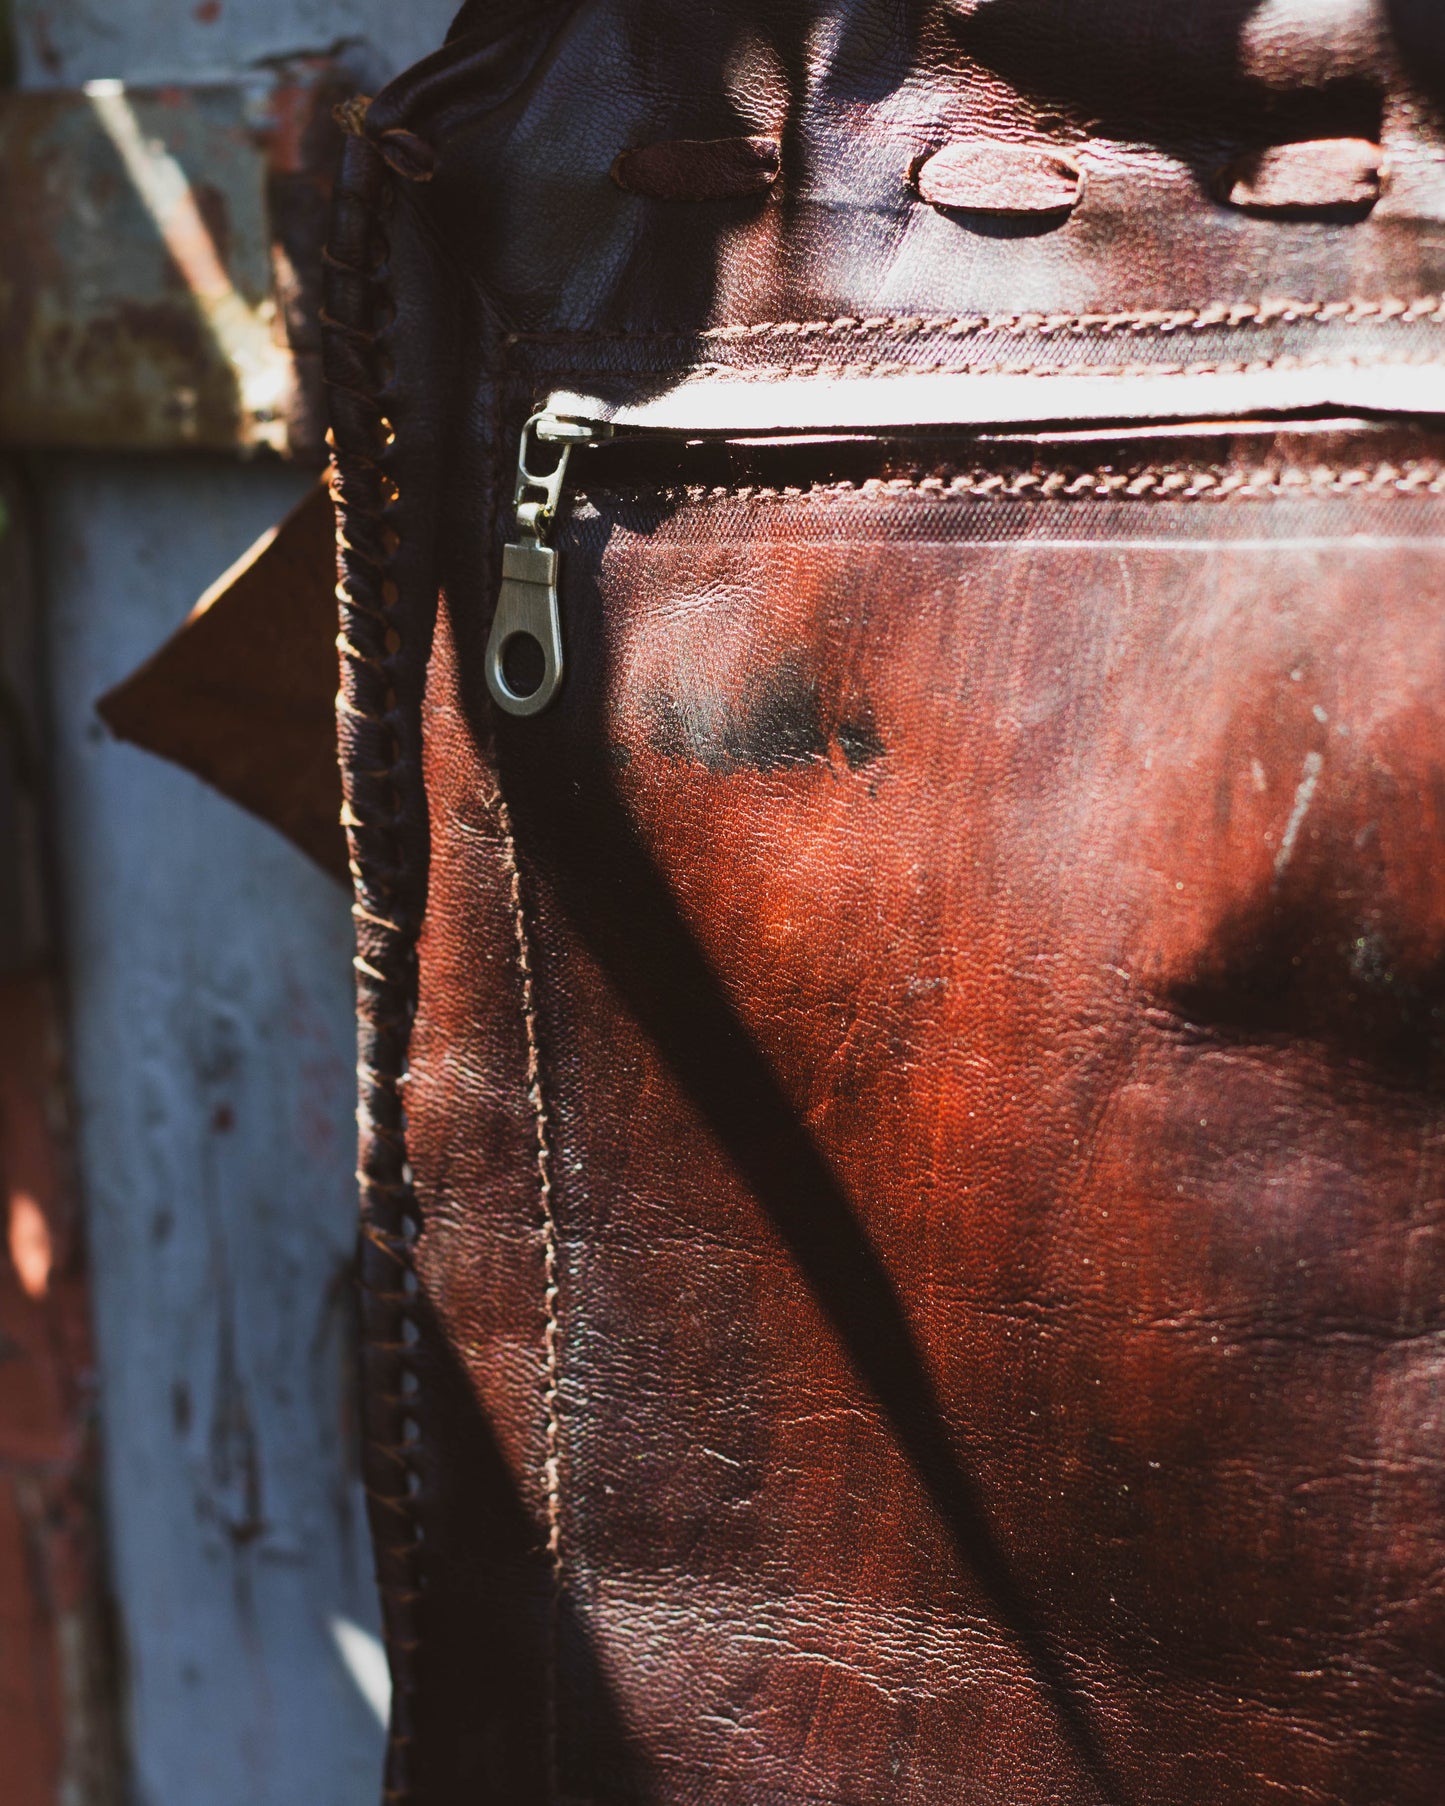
(1158, 483)
(551, 1470)
(1429, 308)
(705, 375)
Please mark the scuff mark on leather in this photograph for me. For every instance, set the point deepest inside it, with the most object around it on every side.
(779, 723)
(859, 742)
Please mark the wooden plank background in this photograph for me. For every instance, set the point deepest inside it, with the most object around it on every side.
(208, 971)
(58, 1686)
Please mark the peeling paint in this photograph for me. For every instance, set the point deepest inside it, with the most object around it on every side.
(778, 722)
(160, 262)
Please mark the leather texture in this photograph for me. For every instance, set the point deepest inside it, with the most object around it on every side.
(243, 694)
(902, 1137)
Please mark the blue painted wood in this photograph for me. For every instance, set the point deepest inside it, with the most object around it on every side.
(211, 1017)
(209, 972)
(65, 42)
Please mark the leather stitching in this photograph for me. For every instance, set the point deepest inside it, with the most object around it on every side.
(1425, 308)
(551, 1471)
(814, 370)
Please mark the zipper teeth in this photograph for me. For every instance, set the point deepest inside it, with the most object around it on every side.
(1166, 483)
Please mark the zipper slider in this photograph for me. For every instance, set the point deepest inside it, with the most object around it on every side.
(524, 652)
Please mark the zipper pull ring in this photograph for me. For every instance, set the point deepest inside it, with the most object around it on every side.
(524, 651)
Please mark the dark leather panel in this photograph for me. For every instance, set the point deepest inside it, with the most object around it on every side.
(1155, 101)
(922, 1115)
(244, 692)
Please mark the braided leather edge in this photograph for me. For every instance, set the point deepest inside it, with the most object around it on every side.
(356, 321)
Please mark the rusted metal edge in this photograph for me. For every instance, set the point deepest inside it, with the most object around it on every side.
(160, 263)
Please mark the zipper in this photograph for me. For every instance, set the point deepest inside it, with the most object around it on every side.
(528, 621)
(525, 658)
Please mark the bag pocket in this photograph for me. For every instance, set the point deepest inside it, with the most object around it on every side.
(983, 947)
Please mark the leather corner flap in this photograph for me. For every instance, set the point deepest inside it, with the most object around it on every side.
(987, 176)
(1307, 176)
(699, 169)
(243, 694)
(408, 154)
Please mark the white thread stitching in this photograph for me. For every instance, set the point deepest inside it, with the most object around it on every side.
(1428, 308)
(551, 1469)
(816, 370)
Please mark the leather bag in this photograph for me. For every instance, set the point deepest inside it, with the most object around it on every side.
(892, 669)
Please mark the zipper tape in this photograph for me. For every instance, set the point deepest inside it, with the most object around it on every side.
(524, 657)
(718, 406)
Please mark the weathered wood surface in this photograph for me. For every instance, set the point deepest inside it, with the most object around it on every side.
(160, 262)
(209, 978)
(212, 1046)
(57, 1688)
(57, 1685)
(64, 42)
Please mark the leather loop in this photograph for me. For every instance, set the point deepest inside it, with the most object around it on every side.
(712, 169)
(981, 177)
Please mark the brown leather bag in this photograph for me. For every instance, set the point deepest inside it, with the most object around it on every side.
(898, 851)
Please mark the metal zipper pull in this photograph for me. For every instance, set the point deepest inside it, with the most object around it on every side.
(524, 652)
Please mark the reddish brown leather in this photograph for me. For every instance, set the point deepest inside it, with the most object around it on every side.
(921, 1152)
(243, 694)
